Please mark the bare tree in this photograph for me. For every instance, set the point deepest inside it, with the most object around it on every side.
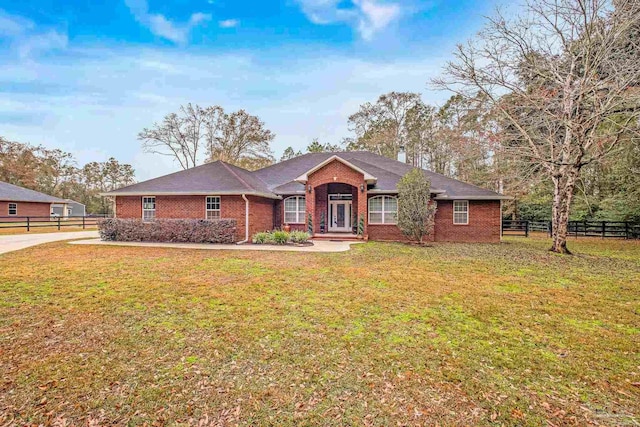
(196, 134)
(561, 82)
(382, 127)
(241, 139)
(180, 135)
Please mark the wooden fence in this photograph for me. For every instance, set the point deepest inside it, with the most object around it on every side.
(602, 229)
(35, 222)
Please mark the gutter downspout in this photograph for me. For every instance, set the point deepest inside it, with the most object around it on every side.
(246, 220)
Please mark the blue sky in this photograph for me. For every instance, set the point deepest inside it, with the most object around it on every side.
(86, 77)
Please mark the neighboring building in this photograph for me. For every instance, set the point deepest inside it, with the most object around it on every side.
(73, 208)
(18, 202)
(339, 187)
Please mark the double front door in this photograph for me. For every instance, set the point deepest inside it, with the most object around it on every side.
(340, 215)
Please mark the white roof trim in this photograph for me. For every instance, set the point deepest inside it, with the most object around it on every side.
(189, 193)
(305, 176)
(376, 191)
(496, 197)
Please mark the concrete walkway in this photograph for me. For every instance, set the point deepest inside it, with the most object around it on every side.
(318, 246)
(15, 242)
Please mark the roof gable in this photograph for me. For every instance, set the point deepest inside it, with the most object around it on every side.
(15, 193)
(208, 179)
(305, 176)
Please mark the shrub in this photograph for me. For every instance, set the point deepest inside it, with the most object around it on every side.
(280, 237)
(299, 236)
(416, 210)
(168, 230)
(262, 238)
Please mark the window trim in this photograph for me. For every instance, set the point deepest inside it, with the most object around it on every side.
(383, 211)
(15, 209)
(153, 210)
(300, 215)
(454, 212)
(207, 210)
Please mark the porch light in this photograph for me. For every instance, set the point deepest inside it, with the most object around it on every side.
(309, 188)
(362, 188)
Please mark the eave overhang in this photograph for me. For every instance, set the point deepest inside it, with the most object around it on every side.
(189, 193)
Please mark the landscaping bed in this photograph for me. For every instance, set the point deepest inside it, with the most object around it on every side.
(281, 237)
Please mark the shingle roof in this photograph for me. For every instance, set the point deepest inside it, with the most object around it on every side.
(14, 193)
(211, 178)
(280, 178)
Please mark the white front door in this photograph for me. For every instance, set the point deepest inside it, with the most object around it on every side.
(340, 215)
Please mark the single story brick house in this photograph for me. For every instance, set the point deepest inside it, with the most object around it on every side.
(332, 189)
(18, 202)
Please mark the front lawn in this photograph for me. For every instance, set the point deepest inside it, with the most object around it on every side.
(386, 334)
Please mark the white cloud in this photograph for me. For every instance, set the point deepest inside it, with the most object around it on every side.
(101, 100)
(13, 25)
(368, 17)
(229, 23)
(26, 39)
(375, 17)
(160, 26)
(39, 43)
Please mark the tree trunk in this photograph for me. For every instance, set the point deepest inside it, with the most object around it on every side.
(562, 194)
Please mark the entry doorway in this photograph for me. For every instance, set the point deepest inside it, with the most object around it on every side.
(340, 212)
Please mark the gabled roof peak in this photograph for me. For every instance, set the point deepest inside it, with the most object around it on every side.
(335, 157)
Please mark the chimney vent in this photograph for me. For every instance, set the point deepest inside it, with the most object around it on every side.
(402, 155)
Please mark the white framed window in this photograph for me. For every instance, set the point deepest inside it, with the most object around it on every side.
(213, 207)
(461, 212)
(13, 209)
(383, 210)
(148, 208)
(295, 208)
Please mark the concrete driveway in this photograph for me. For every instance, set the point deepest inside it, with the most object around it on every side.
(20, 241)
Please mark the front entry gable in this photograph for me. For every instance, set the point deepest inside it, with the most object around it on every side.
(342, 170)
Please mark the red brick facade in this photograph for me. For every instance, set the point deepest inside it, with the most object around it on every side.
(333, 178)
(484, 222)
(331, 174)
(25, 209)
(260, 210)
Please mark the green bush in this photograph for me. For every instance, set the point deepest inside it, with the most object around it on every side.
(262, 238)
(280, 237)
(299, 236)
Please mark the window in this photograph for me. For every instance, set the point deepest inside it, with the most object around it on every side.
(13, 209)
(383, 210)
(213, 207)
(148, 208)
(294, 210)
(461, 212)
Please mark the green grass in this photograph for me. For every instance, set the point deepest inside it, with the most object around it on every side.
(385, 334)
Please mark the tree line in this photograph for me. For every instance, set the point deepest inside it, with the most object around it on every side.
(55, 172)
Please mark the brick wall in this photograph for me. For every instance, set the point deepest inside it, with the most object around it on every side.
(484, 222)
(333, 173)
(194, 207)
(260, 214)
(128, 207)
(25, 209)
